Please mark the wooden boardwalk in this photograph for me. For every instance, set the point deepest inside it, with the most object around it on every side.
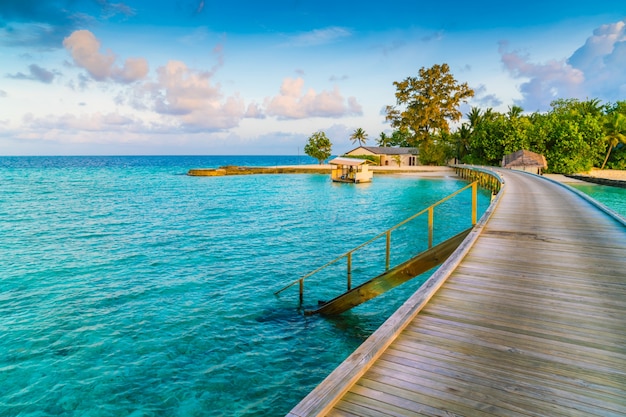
(529, 321)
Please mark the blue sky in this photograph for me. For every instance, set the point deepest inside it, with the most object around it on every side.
(97, 77)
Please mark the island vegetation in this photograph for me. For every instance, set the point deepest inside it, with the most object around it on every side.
(574, 135)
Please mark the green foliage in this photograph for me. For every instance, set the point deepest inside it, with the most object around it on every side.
(358, 135)
(614, 133)
(617, 160)
(438, 151)
(373, 158)
(427, 103)
(318, 147)
(400, 138)
(570, 135)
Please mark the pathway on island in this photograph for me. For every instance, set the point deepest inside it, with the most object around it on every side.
(532, 322)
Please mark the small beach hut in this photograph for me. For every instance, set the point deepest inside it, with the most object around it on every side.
(524, 160)
(350, 170)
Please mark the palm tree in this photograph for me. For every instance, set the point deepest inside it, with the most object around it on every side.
(591, 107)
(614, 132)
(515, 112)
(474, 117)
(464, 137)
(358, 135)
(383, 140)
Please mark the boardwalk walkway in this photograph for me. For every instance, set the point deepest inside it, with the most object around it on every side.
(531, 322)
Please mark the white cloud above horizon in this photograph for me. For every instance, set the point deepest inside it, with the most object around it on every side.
(198, 86)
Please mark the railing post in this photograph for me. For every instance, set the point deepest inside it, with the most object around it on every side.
(301, 285)
(474, 202)
(388, 251)
(431, 215)
(349, 271)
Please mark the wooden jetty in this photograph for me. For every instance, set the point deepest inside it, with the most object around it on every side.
(526, 318)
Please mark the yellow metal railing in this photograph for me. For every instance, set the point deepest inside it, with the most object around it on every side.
(348, 255)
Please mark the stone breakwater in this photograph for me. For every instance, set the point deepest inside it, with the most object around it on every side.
(239, 170)
(313, 169)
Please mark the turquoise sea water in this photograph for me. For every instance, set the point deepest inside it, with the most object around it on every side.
(130, 289)
(612, 197)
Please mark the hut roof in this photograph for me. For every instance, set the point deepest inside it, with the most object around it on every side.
(349, 161)
(524, 158)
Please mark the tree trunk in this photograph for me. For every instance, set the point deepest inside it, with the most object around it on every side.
(607, 157)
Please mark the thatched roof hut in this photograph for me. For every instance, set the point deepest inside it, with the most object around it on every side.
(524, 160)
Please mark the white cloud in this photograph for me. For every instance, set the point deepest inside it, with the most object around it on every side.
(544, 82)
(85, 50)
(595, 70)
(319, 37)
(96, 122)
(191, 98)
(291, 103)
(603, 61)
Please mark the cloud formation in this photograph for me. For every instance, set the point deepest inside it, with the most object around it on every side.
(292, 103)
(319, 37)
(596, 69)
(191, 98)
(36, 73)
(603, 61)
(85, 50)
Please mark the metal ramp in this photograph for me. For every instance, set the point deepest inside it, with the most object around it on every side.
(392, 278)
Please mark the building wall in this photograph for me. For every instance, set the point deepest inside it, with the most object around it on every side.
(387, 160)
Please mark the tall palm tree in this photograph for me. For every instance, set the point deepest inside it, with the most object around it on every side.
(358, 135)
(614, 132)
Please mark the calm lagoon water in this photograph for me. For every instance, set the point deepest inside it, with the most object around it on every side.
(612, 197)
(130, 289)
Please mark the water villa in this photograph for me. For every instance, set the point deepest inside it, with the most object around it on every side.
(350, 170)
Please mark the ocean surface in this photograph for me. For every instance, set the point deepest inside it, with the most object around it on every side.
(613, 198)
(130, 289)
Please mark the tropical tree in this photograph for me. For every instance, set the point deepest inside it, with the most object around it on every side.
(426, 104)
(383, 140)
(318, 147)
(514, 112)
(358, 135)
(400, 138)
(474, 116)
(614, 133)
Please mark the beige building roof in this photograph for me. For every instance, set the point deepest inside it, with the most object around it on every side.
(386, 150)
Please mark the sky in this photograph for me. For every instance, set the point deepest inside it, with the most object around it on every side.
(241, 77)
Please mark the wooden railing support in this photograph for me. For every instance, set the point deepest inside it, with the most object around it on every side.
(474, 203)
(388, 251)
(349, 271)
(431, 216)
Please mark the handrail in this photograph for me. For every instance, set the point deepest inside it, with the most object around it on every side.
(387, 233)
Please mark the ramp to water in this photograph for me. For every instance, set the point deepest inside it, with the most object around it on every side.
(402, 273)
